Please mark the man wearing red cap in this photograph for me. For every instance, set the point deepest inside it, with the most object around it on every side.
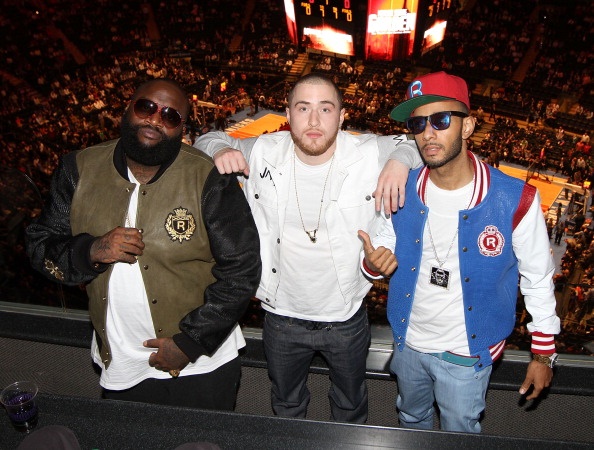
(464, 235)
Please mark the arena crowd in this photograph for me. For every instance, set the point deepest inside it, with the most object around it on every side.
(69, 69)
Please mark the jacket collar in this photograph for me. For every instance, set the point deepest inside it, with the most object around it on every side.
(482, 181)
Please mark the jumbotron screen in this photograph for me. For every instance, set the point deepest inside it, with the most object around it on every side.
(394, 29)
(391, 27)
(399, 29)
(326, 25)
(433, 22)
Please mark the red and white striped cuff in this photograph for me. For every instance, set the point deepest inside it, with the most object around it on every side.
(370, 272)
(543, 344)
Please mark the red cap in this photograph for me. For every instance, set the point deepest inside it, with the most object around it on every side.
(430, 88)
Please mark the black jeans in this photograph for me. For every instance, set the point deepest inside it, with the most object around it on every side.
(213, 390)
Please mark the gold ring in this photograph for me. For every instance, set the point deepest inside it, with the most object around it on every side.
(174, 373)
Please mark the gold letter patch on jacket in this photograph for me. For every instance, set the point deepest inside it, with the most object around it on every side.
(180, 225)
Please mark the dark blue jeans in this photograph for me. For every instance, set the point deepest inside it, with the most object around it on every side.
(290, 345)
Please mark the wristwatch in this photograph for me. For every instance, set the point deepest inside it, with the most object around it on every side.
(547, 360)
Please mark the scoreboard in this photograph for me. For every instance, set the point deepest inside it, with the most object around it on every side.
(338, 11)
(393, 29)
(433, 22)
(327, 25)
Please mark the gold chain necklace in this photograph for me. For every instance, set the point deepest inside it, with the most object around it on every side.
(311, 234)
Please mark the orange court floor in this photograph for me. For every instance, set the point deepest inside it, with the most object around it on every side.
(550, 187)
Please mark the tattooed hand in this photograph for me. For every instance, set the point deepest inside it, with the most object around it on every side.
(118, 245)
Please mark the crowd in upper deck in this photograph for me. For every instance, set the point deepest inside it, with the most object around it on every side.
(69, 68)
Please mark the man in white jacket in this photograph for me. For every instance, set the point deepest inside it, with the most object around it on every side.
(311, 190)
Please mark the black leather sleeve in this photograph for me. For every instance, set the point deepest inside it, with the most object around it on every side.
(235, 246)
(51, 247)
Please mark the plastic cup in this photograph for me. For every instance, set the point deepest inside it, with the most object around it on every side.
(20, 401)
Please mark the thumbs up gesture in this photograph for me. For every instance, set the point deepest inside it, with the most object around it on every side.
(378, 259)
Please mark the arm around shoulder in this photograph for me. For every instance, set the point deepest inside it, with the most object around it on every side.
(230, 155)
(215, 141)
(391, 185)
(400, 148)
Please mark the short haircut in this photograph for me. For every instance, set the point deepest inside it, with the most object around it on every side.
(315, 78)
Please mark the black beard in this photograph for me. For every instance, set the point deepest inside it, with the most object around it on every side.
(455, 150)
(155, 155)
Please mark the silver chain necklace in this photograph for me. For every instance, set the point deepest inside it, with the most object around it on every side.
(311, 234)
(438, 275)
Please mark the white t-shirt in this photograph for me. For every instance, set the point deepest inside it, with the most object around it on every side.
(129, 323)
(437, 318)
(300, 294)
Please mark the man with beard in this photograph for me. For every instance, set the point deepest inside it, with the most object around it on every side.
(311, 190)
(168, 251)
(465, 234)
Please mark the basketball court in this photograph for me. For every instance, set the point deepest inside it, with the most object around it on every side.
(549, 190)
(250, 127)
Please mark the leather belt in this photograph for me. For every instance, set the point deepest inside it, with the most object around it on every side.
(466, 361)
